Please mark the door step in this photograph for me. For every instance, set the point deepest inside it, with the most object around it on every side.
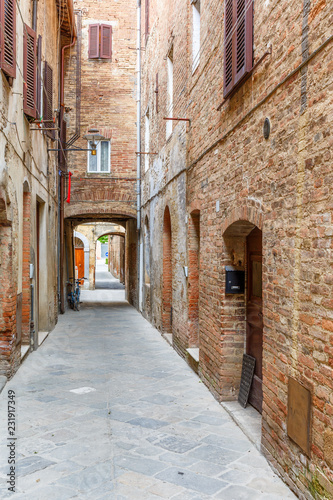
(41, 337)
(192, 358)
(168, 337)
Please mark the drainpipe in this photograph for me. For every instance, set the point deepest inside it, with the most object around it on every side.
(138, 156)
(138, 117)
(34, 15)
(61, 173)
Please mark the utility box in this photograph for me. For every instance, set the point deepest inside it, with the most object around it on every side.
(234, 280)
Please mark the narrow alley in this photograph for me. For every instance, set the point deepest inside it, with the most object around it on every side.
(107, 410)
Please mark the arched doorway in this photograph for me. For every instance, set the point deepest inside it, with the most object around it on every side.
(167, 274)
(254, 316)
(242, 317)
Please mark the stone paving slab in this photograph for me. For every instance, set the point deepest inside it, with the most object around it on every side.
(140, 424)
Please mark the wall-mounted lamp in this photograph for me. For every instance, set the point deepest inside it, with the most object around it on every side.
(94, 137)
(185, 271)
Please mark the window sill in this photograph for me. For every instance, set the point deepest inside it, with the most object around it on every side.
(97, 174)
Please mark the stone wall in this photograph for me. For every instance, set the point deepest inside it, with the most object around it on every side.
(28, 180)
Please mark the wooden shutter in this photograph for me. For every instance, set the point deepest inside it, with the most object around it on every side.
(147, 19)
(29, 72)
(39, 77)
(106, 41)
(238, 42)
(93, 41)
(48, 100)
(8, 37)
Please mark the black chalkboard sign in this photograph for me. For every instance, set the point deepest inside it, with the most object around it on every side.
(246, 380)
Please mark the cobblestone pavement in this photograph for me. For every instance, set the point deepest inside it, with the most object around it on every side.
(107, 410)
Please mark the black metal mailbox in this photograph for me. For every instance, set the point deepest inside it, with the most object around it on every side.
(234, 281)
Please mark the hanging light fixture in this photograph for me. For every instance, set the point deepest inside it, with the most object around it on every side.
(94, 137)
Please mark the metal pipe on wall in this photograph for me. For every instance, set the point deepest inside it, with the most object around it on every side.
(138, 115)
(138, 157)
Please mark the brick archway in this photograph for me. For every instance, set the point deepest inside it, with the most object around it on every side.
(251, 211)
(167, 274)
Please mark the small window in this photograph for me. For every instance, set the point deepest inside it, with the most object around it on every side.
(147, 19)
(8, 37)
(147, 140)
(170, 93)
(100, 162)
(195, 34)
(100, 41)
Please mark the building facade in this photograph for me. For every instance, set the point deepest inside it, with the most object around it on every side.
(100, 96)
(237, 210)
(31, 38)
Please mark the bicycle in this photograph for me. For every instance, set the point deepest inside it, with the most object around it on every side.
(73, 294)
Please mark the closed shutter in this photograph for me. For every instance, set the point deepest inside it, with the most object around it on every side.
(8, 37)
(29, 72)
(48, 100)
(238, 42)
(93, 42)
(106, 41)
(39, 77)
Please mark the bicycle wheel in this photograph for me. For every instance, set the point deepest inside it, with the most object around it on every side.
(77, 300)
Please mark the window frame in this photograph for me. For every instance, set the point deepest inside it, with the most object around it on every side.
(196, 34)
(96, 42)
(98, 155)
(170, 89)
(147, 140)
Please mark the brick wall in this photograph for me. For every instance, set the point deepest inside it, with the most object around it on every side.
(107, 102)
(280, 185)
(26, 293)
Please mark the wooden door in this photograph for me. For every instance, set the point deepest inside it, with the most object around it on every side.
(79, 262)
(254, 317)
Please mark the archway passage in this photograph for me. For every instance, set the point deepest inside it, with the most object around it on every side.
(254, 316)
(167, 274)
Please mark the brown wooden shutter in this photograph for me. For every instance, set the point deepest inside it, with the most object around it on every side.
(238, 42)
(39, 77)
(228, 43)
(48, 100)
(8, 37)
(29, 72)
(93, 41)
(147, 19)
(106, 41)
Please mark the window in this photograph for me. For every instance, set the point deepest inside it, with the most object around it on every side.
(170, 93)
(238, 42)
(147, 19)
(147, 140)
(101, 161)
(195, 34)
(29, 72)
(8, 37)
(100, 41)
